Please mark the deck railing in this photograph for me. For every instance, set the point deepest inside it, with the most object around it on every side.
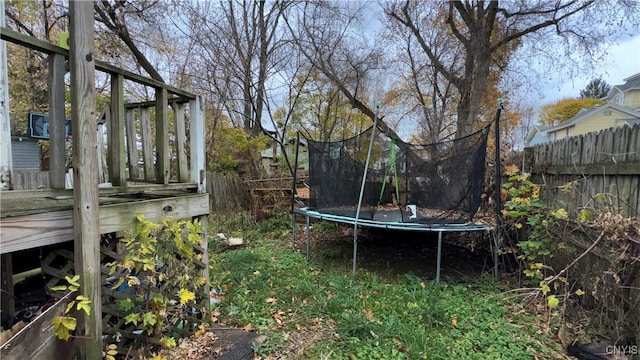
(146, 141)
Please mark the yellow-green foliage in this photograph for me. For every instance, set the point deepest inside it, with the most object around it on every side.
(160, 274)
(64, 325)
(233, 146)
(565, 109)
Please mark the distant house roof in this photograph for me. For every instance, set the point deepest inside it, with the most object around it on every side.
(632, 82)
(538, 129)
(545, 131)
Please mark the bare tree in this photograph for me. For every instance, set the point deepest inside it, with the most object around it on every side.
(328, 36)
(240, 45)
(485, 29)
(114, 16)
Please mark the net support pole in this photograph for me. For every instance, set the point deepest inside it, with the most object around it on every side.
(308, 236)
(364, 180)
(439, 256)
(293, 193)
(496, 234)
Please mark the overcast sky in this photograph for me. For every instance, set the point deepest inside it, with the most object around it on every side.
(622, 61)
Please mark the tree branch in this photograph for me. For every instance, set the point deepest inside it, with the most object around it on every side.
(532, 29)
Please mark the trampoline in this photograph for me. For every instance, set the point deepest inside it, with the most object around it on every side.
(376, 181)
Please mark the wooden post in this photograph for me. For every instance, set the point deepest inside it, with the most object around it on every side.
(85, 176)
(181, 142)
(198, 157)
(132, 144)
(116, 145)
(7, 297)
(147, 145)
(6, 163)
(162, 136)
(198, 173)
(57, 137)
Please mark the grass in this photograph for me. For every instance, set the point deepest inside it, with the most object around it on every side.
(312, 311)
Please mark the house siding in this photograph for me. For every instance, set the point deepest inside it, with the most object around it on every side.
(632, 99)
(25, 154)
(539, 139)
(599, 122)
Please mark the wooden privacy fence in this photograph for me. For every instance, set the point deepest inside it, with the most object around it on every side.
(594, 170)
(30, 180)
(228, 193)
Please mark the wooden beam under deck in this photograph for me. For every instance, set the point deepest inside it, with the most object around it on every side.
(34, 230)
(109, 191)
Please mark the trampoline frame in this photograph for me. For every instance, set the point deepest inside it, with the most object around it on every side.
(417, 227)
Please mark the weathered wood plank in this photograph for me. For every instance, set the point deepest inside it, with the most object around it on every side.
(204, 244)
(634, 142)
(139, 188)
(7, 300)
(147, 144)
(36, 341)
(197, 131)
(162, 137)
(593, 169)
(101, 147)
(117, 217)
(608, 162)
(132, 144)
(57, 138)
(31, 231)
(29, 180)
(116, 155)
(181, 142)
(85, 180)
(6, 165)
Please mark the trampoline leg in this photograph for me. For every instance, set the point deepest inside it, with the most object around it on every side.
(496, 241)
(439, 256)
(293, 231)
(355, 251)
(308, 238)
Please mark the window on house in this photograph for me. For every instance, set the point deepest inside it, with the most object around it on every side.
(607, 113)
(619, 99)
(566, 132)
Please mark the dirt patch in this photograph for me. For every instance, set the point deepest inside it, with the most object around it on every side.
(221, 343)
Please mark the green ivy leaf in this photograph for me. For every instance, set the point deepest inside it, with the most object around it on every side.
(552, 301)
(584, 215)
(125, 305)
(132, 318)
(579, 292)
(149, 319)
(544, 287)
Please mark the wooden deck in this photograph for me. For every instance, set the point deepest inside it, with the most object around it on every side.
(31, 219)
(159, 142)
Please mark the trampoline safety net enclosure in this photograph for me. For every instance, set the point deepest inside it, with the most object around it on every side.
(407, 183)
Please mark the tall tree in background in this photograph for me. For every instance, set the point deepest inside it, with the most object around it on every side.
(115, 16)
(565, 109)
(240, 45)
(485, 28)
(330, 37)
(595, 89)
